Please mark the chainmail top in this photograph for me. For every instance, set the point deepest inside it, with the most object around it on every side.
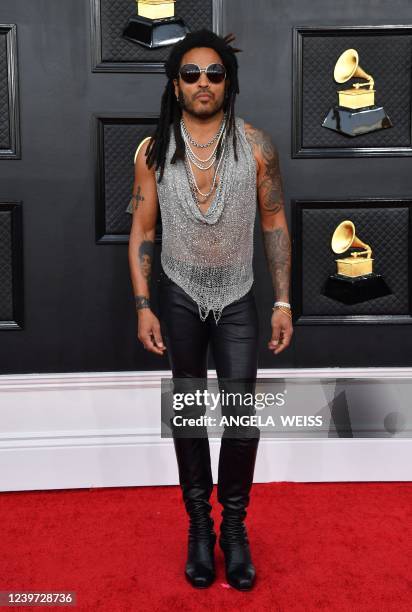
(210, 255)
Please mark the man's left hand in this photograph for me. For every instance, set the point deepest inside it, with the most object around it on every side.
(282, 330)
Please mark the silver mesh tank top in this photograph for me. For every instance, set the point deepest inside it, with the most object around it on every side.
(210, 255)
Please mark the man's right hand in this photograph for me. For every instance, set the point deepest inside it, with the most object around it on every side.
(148, 331)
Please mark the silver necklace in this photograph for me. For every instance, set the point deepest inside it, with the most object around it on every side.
(207, 144)
(192, 178)
(202, 164)
(196, 159)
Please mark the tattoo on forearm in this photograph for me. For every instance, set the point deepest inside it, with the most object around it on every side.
(142, 301)
(136, 198)
(277, 248)
(145, 258)
(270, 184)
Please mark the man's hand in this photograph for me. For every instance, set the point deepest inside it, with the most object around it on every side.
(282, 331)
(149, 331)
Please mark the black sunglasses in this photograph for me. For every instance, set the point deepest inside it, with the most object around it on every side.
(190, 73)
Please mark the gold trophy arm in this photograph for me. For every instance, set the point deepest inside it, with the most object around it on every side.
(370, 82)
(360, 73)
(359, 243)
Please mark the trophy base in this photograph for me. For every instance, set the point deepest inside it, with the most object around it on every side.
(154, 33)
(353, 290)
(353, 122)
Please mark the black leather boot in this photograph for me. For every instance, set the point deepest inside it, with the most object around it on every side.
(196, 481)
(236, 468)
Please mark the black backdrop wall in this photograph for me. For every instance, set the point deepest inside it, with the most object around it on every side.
(78, 303)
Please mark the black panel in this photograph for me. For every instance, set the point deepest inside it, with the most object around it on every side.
(386, 54)
(112, 52)
(11, 268)
(116, 144)
(385, 226)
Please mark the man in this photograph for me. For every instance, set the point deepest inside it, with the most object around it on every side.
(206, 167)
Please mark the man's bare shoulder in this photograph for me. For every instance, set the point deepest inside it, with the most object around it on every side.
(252, 132)
(260, 140)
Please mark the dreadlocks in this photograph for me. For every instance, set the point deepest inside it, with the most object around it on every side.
(170, 111)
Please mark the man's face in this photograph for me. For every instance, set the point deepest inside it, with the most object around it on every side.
(146, 265)
(189, 94)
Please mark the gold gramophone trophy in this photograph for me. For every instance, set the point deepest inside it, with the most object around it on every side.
(155, 24)
(354, 280)
(356, 112)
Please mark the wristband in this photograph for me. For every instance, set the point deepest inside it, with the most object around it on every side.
(141, 302)
(285, 304)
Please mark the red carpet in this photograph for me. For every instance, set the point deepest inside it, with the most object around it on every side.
(329, 546)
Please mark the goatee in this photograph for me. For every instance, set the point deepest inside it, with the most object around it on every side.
(206, 114)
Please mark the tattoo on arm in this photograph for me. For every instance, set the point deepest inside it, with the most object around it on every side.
(141, 302)
(138, 197)
(277, 248)
(145, 265)
(270, 183)
(146, 248)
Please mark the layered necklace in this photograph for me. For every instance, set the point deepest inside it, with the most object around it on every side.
(203, 164)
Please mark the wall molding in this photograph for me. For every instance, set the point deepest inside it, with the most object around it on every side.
(13, 151)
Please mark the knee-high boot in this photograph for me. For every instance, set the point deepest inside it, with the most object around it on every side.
(235, 478)
(196, 481)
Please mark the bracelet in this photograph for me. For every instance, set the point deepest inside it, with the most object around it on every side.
(286, 304)
(287, 311)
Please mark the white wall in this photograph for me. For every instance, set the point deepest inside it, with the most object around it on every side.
(78, 430)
